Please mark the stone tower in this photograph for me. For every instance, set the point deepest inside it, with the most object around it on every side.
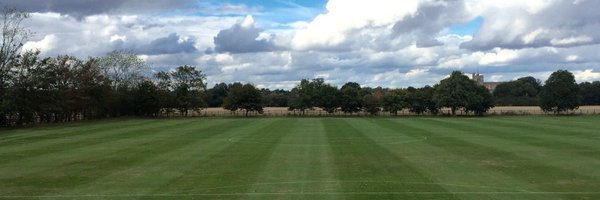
(478, 78)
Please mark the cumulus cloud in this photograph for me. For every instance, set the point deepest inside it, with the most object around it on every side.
(168, 45)
(375, 43)
(535, 23)
(81, 8)
(44, 45)
(243, 37)
(587, 75)
(331, 29)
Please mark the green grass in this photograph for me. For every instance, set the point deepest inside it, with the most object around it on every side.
(529, 157)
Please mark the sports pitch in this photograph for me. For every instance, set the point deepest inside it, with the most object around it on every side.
(526, 157)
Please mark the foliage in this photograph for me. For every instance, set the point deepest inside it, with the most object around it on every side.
(372, 104)
(459, 92)
(482, 102)
(123, 68)
(350, 98)
(243, 97)
(420, 100)
(394, 101)
(275, 98)
(188, 85)
(521, 92)
(328, 98)
(590, 93)
(560, 93)
(146, 99)
(303, 96)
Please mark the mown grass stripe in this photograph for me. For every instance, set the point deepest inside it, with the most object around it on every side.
(375, 165)
(452, 171)
(538, 123)
(555, 142)
(572, 162)
(301, 162)
(86, 168)
(28, 136)
(509, 163)
(164, 166)
(86, 141)
(235, 165)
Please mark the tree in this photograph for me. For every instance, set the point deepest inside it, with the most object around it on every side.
(166, 96)
(559, 93)
(455, 92)
(418, 100)
(521, 92)
(431, 105)
(245, 97)
(275, 98)
(123, 68)
(590, 93)
(372, 104)
(216, 95)
(349, 98)
(94, 92)
(188, 85)
(303, 96)
(482, 102)
(12, 38)
(328, 98)
(394, 101)
(146, 99)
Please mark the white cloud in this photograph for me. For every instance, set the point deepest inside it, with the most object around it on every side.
(375, 43)
(498, 57)
(582, 39)
(44, 45)
(330, 29)
(586, 75)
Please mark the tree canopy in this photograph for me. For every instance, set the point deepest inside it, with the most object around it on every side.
(459, 92)
(559, 93)
(243, 97)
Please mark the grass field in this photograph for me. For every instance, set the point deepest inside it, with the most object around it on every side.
(529, 157)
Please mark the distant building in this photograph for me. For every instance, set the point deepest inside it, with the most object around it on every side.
(478, 78)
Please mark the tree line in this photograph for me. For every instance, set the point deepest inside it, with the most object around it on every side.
(65, 88)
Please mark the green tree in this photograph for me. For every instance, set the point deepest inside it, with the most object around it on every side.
(303, 96)
(420, 100)
(559, 93)
(431, 105)
(394, 101)
(217, 94)
(349, 98)
(455, 92)
(12, 37)
(328, 98)
(590, 93)
(146, 99)
(166, 95)
(243, 97)
(372, 104)
(188, 85)
(481, 102)
(275, 98)
(124, 68)
(521, 92)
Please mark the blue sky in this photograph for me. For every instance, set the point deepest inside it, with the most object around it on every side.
(275, 43)
(466, 29)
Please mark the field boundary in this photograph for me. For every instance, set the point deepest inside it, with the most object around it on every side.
(316, 112)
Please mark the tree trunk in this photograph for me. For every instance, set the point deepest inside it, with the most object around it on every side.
(246, 113)
(453, 111)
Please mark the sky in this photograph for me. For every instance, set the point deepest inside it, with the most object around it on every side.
(276, 43)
